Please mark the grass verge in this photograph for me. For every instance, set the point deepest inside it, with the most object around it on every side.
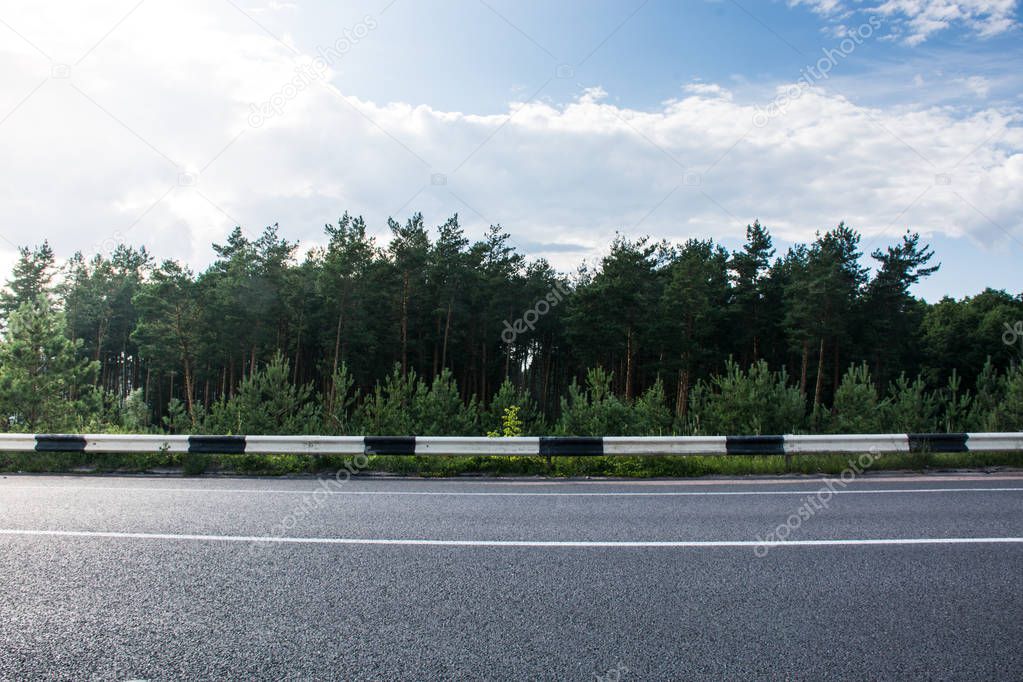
(629, 467)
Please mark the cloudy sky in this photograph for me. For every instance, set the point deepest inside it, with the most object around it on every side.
(167, 123)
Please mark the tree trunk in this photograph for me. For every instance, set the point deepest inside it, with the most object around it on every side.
(483, 377)
(436, 348)
(820, 375)
(802, 371)
(628, 364)
(189, 397)
(337, 339)
(547, 362)
(404, 325)
(682, 394)
(298, 343)
(447, 333)
(836, 375)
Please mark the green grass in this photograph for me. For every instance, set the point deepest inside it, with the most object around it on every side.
(628, 467)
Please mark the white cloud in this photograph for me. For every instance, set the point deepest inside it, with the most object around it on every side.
(101, 154)
(978, 85)
(707, 89)
(919, 19)
(826, 7)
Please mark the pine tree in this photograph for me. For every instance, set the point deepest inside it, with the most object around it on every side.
(909, 407)
(651, 416)
(1009, 414)
(387, 411)
(30, 281)
(447, 281)
(954, 405)
(44, 383)
(693, 311)
(170, 324)
(409, 250)
(749, 269)
(894, 313)
(267, 402)
(822, 300)
(989, 395)
(594, 410)
(440, 410)
(856, 403)
(506, 398)
(746, 403)
(339, 409)
(346, 280)
(616, 312)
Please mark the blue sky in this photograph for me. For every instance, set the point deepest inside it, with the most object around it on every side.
(476, 57)
(565, 122)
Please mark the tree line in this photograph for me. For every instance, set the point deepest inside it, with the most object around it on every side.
(436, 333)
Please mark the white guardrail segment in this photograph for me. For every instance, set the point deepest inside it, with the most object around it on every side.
(994, 442)
(453, 445)
(665, 445)
(865, 442)
(305, 445)
(18, 442)
(117, 442)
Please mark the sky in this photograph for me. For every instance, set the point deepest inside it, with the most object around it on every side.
(165, 124)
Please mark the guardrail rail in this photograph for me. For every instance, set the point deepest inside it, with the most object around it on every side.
(546, 446)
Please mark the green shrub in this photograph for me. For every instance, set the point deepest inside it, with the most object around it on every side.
(340, 403)
(267, 402)
(954, 405)
(440, 410)
(1009, 414)
(511, 425)
(388, 410)
(737, 402)
(651, 416)
(983, 415)
(177, 419)
(856, 403)
(595, 410)
(509, 396)
(909, 407)
(44, 383)
(134, 413)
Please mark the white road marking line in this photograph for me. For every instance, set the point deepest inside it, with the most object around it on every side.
(823, 485)
(507, 543)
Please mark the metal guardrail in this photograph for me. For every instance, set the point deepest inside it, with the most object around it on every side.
(542, 446)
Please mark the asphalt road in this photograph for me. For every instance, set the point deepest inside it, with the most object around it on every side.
(166, 578)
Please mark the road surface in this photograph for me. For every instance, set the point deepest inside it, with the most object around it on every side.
(167, 578)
